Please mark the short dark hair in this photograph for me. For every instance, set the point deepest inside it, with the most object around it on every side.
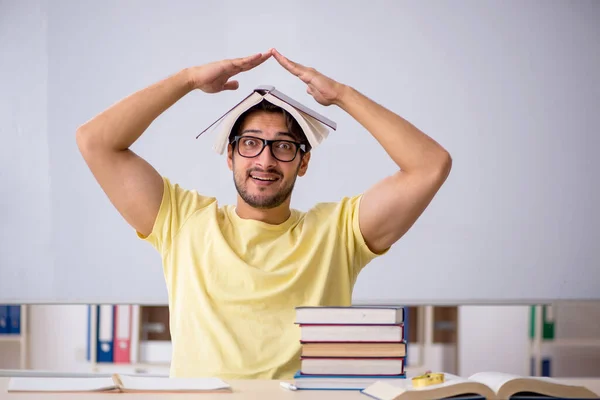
(293, 126)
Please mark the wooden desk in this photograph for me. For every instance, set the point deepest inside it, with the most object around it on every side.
(244, 389)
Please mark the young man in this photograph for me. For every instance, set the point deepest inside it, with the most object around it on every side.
(235, 274)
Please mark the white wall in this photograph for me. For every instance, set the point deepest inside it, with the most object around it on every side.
(496, 83)
(493, 338)
(58, 337)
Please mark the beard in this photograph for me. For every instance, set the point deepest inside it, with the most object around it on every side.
(263, 201)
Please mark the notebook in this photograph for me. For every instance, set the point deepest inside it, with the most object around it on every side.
(117, 383)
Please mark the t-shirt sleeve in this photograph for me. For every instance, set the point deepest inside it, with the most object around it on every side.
(359, 252)
(177, 205)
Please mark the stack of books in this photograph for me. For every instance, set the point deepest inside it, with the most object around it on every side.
(349, 348)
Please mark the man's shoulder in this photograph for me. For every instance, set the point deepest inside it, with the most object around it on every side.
(181, 192)
(185, 201)
(347, 205)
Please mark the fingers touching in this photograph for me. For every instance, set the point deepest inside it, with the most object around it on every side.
(305, 74)
(247, 63)
(285, 62)
(236, 65)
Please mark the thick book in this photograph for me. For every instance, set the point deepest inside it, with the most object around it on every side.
(489, 385)
(117, 383)
(314, 125)
(353, 349)
(352, 333)
(350, 315)
(352, 366)
(341, 382)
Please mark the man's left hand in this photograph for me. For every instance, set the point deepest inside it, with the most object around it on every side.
(325, 90)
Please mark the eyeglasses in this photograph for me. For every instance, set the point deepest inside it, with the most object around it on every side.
(282, 150)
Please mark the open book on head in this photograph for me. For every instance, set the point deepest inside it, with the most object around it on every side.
(314, 125)
(489, 385)
(117, 383)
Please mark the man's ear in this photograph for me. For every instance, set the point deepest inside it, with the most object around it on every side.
(229, 156)
(304, 164)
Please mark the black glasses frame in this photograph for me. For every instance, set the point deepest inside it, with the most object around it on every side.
(266, 142)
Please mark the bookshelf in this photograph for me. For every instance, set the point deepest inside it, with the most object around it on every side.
(432, 329)
(15, 332)
(429, 327)
(150, 344)
(542, 332)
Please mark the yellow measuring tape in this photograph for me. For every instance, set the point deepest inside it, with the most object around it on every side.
(428, 379)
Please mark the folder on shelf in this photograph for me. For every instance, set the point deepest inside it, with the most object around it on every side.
(14, 320)
(105, 337)
(3, 319)
(134, 344)
(90, 318)
(122, 334)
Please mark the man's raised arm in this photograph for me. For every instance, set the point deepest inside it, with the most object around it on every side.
(391, 206)
(133, 186)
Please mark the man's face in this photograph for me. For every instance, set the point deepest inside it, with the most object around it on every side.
(264, 181)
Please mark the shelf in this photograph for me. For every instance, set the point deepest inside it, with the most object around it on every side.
(138, 368)
(136, 365)
(571, 342)
(11, 338)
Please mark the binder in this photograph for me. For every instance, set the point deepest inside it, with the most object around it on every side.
(3, 319)
(14, 320)
(136, 322)
(122, 334)
(92, 331)
(88, 347)
(105, 337)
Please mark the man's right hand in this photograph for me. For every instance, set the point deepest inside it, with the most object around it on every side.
(133, 186)
(214, 77)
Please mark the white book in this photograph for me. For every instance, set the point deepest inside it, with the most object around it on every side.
(350, 315)
(117, 383)
(314, 125)
(352, 333)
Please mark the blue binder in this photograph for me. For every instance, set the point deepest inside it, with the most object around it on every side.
(3, 319)
(14, 320)
(105, 336)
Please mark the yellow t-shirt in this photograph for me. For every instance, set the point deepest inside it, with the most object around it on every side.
(233, 284)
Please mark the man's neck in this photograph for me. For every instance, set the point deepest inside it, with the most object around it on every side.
(274, 216)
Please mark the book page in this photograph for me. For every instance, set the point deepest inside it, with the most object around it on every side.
(145, 383)
(494, 380)
(313, 129)
(48, 384)
(452, 385)
(449, 380)
(306, 110)
(224, 124)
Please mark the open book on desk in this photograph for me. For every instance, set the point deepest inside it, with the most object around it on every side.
(118, 383)
(489, 385)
